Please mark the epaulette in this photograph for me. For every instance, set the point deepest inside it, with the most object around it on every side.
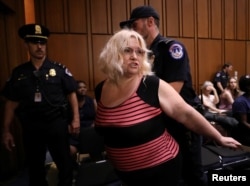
(59, 64)
(165, 40)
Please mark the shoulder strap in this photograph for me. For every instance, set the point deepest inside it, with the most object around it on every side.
(98, 91)
(148, 90)
(165, 40)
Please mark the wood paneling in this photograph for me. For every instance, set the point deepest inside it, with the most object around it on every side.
(118, 13)
(172, 18)
(54, 15)
(216, 19)
(3, 51)
(99, 16)
(229, 19)
(98, 44)
(203, 18)
(241, 17)
(188, 18)
(213, 31)
(238, 61)
(77, 15)
(72, 51)
(209, 59)
(247, 62)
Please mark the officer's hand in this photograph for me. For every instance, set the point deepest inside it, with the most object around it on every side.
(8, 141)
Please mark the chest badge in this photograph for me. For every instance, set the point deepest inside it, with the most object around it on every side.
(52, 72)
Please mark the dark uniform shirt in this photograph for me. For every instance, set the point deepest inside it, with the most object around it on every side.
(41, 93)
(221, 77)
(171, 64)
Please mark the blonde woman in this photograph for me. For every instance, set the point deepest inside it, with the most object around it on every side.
(131, 105)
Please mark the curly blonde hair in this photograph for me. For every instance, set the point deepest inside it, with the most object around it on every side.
(110, 59)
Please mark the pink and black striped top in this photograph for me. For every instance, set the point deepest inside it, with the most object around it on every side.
(134, 132)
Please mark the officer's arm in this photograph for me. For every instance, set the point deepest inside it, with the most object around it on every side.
(9, 115)
(177, 85)
(75, 123)
(220, 86)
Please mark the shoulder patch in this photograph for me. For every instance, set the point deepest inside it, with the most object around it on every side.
(68, 72)
(218, 74)
(176, 51)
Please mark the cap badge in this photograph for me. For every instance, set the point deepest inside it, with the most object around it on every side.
(38, 29)
(52, 72)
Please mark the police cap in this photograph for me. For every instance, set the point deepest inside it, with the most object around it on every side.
(34, 33)
(139, 12)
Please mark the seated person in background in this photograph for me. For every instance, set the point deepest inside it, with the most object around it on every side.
(229, 94)
(241, 111)
(222, 77)
(210, 99)
(87, 111)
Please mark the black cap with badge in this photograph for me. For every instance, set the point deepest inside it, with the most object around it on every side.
(34, 33)
(139, 12)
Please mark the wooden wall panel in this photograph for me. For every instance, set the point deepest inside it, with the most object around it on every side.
(135, 3)
(99, 16)
(216, 19)
(77, 16)
(118, 13)
(247, 65)
(188, 18)
(98, 44)
(209, 59)
(235, 53)
(172, 18)
(81, 23)
(248, 19)
(5, 71)
(202, 18)
(229, 19)
(241, 17)
(54, 15)
(72, 51)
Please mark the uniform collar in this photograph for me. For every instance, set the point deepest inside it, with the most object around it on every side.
(155, 42)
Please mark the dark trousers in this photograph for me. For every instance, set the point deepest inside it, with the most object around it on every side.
(40, 136)
(190, 146)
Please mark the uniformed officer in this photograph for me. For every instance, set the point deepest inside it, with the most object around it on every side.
(171, 63)
(222, 77)
(39, 92)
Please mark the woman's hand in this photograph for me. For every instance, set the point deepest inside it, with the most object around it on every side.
(229, 142)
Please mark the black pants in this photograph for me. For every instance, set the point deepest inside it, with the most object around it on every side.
(38, 137)
(190, 147)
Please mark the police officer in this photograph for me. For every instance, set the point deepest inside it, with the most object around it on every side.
(39, 92)
(171, 63)
(222, 77)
